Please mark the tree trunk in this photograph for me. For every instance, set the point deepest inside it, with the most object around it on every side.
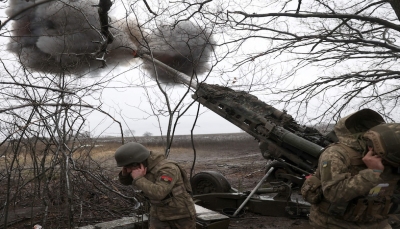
(396, 7)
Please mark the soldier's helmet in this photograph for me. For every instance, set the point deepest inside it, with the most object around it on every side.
(385, 139)
(131, 152)
(362, 120)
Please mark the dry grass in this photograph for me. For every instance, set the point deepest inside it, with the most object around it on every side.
(102, 151)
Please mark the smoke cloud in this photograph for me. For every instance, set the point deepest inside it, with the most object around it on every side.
(186, 48)
(64, 36)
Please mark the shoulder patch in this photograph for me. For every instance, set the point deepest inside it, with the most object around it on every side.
(166, 178)
(324, 164)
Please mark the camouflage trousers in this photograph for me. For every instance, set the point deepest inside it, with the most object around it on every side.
(382, 225)
(320, 220)
(185, 223)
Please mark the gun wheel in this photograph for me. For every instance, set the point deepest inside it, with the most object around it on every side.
(209, 182)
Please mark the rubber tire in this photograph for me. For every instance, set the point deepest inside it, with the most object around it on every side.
(209, 182)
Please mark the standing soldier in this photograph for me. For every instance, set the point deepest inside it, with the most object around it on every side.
(162, 181)
(356, 177)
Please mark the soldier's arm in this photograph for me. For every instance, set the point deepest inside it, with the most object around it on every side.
(125, 180)
(166, 179)
(337, 183)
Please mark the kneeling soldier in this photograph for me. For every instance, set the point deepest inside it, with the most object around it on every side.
(162, 181)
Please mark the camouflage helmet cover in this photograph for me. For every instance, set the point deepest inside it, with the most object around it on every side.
(350, 129)
(131, 152)
(362, 120)
(385, 139)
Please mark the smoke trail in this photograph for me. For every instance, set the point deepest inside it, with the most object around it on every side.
(186, 47)
(63, 36)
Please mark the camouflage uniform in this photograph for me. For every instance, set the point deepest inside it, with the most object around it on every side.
(353, 196)
(168, 191)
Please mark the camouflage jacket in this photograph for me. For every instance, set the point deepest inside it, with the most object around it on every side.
(164, 186)
(347, 185)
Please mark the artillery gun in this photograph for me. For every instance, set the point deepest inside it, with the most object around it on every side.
(280, 137)
(294, 150)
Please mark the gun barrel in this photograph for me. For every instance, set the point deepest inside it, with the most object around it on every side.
(271, 147)
(185, 79)
(299, 142)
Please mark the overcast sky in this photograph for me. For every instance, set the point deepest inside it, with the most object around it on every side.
(127, 105)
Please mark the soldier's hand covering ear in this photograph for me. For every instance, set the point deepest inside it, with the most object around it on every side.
(139, 172)
(373, 161)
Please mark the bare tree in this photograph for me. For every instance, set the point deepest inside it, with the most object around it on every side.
(147, 134)
(345, 53)
(42, 144)
(44, 118)
(58, 45)
(319, 59)
(129, 133)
